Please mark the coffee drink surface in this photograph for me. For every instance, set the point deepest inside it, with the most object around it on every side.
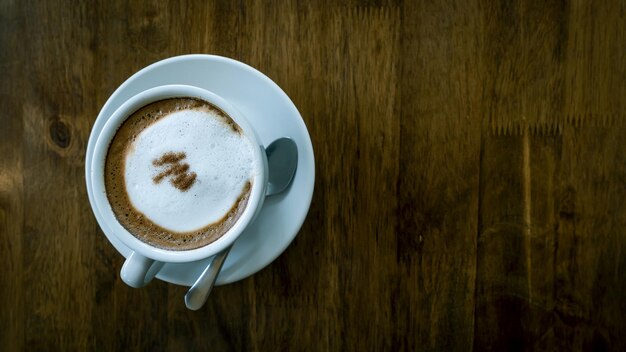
(178, 173)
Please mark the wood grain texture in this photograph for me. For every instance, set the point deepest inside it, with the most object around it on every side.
(438, 180)
(470, 176)
(13, 319)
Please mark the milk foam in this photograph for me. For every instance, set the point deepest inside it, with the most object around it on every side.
(222, 159)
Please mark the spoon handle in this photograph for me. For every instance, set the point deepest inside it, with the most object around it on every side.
(200, 290)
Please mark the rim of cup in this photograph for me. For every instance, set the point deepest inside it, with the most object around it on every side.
(257, 194)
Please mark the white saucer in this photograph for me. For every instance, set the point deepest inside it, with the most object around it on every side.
(273, 115)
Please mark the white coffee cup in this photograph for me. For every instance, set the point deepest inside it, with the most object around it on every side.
(145, 260)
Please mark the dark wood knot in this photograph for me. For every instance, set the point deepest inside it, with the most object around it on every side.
(60, 133)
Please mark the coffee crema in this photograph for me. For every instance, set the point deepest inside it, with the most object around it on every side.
(179, 173)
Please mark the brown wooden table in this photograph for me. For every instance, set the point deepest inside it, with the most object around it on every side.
(470, 191)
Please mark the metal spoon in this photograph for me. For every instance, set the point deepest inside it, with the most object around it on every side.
(282, 159)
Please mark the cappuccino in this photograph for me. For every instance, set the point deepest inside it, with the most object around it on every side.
(179, 173)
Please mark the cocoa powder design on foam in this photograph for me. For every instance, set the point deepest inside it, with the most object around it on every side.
(180, 177)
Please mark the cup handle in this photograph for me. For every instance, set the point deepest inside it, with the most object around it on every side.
(138, 270)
